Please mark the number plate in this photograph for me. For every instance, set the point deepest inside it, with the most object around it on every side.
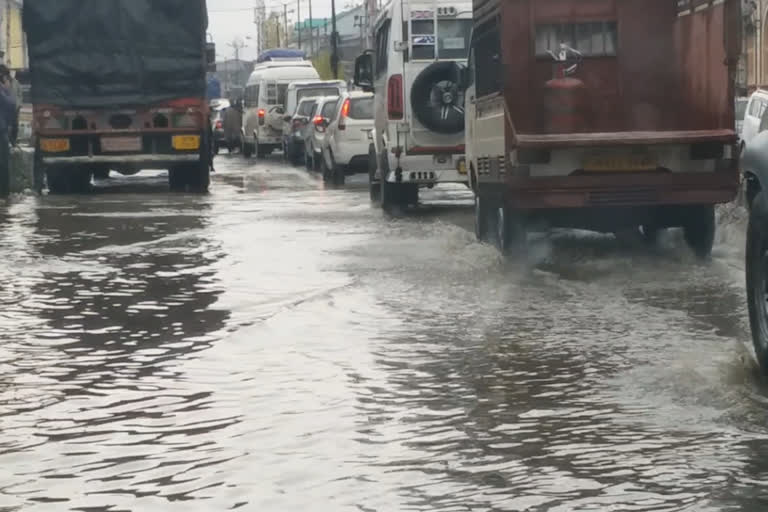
(620, 163)
(120, 144)
(186, 142)
(54, 145)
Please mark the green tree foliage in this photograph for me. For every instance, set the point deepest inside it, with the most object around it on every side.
(322, 63)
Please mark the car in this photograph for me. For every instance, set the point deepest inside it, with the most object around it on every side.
(741, 110)
(294, 140)
(265, 103)
(295, 92)
(754, 117)
(314, 132)
(345, 145)
(418, 137)
(218, 108)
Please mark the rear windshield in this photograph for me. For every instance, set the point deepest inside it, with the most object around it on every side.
(276, 94)
(361, 108)
(306, 108)
(317, 91)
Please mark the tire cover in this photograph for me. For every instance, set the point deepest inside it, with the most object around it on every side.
(437, 100)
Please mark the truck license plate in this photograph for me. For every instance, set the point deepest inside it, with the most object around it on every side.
(120, 144)
(620, 163)
(185, 142)
(54, 145)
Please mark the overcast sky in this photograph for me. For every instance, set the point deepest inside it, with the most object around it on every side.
(234, 18)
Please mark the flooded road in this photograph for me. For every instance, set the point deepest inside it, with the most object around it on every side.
(276, 346)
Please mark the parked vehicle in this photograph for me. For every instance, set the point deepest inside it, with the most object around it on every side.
(265, 100)
(293, 147)
(133, 111)
(314, 133)
(347, 137)
(418, 134)
(754, 116)
(218, 108)
(741, 111)
(612, 139)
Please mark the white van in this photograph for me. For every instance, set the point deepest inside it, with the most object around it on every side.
(265, 97)
(753, 117)
(414, 69)
(292, 139)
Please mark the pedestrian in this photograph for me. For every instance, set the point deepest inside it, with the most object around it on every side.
(7, 114)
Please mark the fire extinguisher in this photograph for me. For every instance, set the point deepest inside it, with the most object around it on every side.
(565, 97)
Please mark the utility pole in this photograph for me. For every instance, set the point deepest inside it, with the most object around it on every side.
(285, 24)
(334, 42)
(311, 32)
(298, 19)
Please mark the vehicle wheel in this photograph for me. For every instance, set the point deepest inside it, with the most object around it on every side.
(326, 172)
(247, 150)
(699, 230)
(757, 278)
(374, 185)
(315, 162)
(336, 172)
(307, 161)
(650, 234)
(57, 183)
(101, 174)
(483, 218)
(177, 179)
(509, 235)
(38, 173)
(216, 148)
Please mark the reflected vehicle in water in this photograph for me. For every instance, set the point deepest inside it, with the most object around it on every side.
(605, 131)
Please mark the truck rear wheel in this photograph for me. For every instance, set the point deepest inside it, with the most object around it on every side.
(68, 181)
(483, 219)
(507, 230)
(247, 150)
(699, 230)
(374, 185)
(398, 194)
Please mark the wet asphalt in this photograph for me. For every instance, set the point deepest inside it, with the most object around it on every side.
(280, 346)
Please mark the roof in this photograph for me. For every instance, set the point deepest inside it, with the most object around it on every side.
(281, 54)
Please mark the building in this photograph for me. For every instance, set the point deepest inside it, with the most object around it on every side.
(13, 42)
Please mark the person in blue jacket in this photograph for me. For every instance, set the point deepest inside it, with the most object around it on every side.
(7, 118)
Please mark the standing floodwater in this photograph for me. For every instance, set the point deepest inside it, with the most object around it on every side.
(276, 346)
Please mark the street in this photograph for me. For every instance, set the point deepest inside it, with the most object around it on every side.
(280, 346)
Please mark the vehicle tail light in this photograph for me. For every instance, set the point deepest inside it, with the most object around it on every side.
(343, 115)
(219, 125)
(262, 115)
(395, 107)
(318, 121)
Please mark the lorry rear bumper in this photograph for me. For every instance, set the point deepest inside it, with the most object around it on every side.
(124, 159)
(588, 191)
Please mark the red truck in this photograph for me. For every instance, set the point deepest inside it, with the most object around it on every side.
(602, 114)
(119, 85)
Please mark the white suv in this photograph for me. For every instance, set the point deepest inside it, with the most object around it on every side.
(415, 69)
(346, 142)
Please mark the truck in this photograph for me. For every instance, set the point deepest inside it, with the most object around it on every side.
(119, 85)
(604, 115)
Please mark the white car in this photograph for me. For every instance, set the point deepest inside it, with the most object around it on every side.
(418, 137)
(314, 134)
(298, 121)
(296, 92)
(347, 138)
(754, 119)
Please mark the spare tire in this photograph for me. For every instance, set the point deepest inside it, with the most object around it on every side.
(437, 99)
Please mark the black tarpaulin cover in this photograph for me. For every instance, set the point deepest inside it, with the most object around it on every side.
(100, 53)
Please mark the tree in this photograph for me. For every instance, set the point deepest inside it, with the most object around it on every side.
(322, 63)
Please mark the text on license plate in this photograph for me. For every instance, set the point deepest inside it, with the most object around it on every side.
(623, 163)
(120, 144)
(182, 142)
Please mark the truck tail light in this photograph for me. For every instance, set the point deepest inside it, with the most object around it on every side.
(343, 115)
(262, 115)
(395, 107)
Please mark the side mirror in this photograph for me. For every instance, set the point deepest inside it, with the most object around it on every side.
(364, 71)
(287, 119)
